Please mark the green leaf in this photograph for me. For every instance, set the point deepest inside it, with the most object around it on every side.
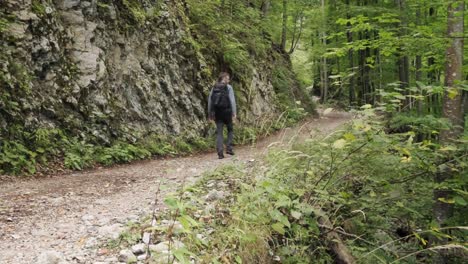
(40, 150)
(448, 201)
(280, 217)
(171, 202)
(187, 222)
(182, 255)
(349, 137)
(452, 93)
(449, 148)
(296, 214)
(339, 144)
(366, 106)
(460, 201)
(278, 227)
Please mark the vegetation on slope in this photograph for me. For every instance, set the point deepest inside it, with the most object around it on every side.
(373, 185)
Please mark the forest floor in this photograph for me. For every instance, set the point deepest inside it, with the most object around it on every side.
(67, 217)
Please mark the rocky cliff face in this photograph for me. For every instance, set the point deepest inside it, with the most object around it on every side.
(109, 70)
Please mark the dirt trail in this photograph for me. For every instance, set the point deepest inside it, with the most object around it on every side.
(73, 213)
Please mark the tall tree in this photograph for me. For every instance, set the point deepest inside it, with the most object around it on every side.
(452, 104)
(265, 7)
(323, 59)
(403, 61)
(285, 25)
(349, 38)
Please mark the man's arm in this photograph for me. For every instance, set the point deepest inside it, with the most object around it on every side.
(232, 99)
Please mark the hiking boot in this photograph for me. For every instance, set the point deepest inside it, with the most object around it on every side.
(221, 156)
(230, 152)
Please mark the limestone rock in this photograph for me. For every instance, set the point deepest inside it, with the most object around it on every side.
(214, 195)
(91, 70)
(110, 232)
(139, 249)
(127, 256)
(165, 248)
(51, 257)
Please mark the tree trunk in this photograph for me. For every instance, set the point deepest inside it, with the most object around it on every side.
(265, 7)
(285, 25)
(324, 79)
(403, 61)
(324, 66)
(296, 36)
(349, 36)
(362, 78)
(452, 106)
(334, 241)
(418, 77)
(367, 73)
(432, 79)
(418, 74)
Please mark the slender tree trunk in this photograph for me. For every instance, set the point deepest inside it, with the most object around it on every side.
(418, 77)
(452, 106)
(361, 78)
(367, 79)
(265, 7)
(432, 79)
(433, 100)
(418, 66)
(378, 58)
(349, 36)
(285, 25)
(296, 36)
(403, 61)
(324, 65)
(324, 79)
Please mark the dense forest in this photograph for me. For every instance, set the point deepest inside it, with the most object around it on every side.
(389, 186)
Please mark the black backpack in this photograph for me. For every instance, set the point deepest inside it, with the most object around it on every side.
(220, 97)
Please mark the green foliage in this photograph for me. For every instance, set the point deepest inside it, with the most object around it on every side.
(15, 81)
(136, 11)
(372, 185)
(3, 24)
(235, 55)
(79, 155)
(266, 126)
(120, 153)
(288, 91)
(16, 158)
(235, 37)
(425, 127)
(131, 14)
(48, 144)
(38, 7)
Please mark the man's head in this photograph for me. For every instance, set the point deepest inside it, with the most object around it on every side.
(224, 78)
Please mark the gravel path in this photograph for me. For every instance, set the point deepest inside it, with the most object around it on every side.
(66, 216)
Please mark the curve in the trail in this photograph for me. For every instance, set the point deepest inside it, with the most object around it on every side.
(71, 214)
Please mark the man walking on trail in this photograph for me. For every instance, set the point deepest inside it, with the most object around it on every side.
(222, 109)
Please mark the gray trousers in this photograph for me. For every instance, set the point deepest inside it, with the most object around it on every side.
(220, 138)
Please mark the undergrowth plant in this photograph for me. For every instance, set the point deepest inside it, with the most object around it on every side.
(45, 145)
(374, 185)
